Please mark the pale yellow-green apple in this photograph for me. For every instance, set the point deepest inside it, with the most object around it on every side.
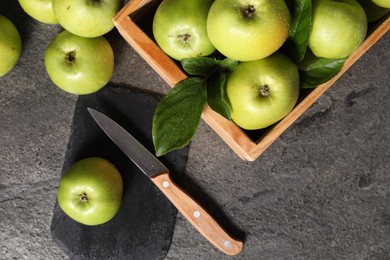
(10, 45)
(247, 30)
(40, 10)
(374, 12)
(179, 28)
(90, 192)
(86, 18)
(262, 92)
(339, 27)
(79, 65)
(382, 3)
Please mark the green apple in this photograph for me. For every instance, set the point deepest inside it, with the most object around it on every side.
(262, 92)
(79, 65)
(90, 192)
(179, 28)
(86, 18)
(247, 30)
(382, 3)
(40, 10)
(10, 45)
(339, 28)
(374, 12)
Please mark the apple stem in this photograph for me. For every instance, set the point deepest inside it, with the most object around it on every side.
(185, 38)
(84, 197)
(264, 91)
(248, 11)
(71, 57)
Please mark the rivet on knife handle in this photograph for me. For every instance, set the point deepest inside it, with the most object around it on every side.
(197, 216)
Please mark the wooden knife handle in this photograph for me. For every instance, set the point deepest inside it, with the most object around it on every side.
(197, 216)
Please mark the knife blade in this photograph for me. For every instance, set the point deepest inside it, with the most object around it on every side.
(159, 175)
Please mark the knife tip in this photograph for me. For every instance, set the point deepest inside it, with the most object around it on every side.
(91, 111)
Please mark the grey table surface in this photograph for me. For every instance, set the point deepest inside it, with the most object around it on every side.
(321, 191)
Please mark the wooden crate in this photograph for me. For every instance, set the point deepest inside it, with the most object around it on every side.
(134, 24)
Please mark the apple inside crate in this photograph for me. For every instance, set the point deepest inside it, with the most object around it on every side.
(134, 23)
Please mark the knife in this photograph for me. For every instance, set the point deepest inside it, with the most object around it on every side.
(159, 175)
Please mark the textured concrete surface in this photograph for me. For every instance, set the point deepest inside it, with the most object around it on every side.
(321, 191)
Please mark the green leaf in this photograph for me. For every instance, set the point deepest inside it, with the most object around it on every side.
(199, 66)
(227, 64)
(178, 114)
(216, 93)
(315, 71)
(296, 44)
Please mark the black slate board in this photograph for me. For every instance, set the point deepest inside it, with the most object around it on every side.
(143, 227)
